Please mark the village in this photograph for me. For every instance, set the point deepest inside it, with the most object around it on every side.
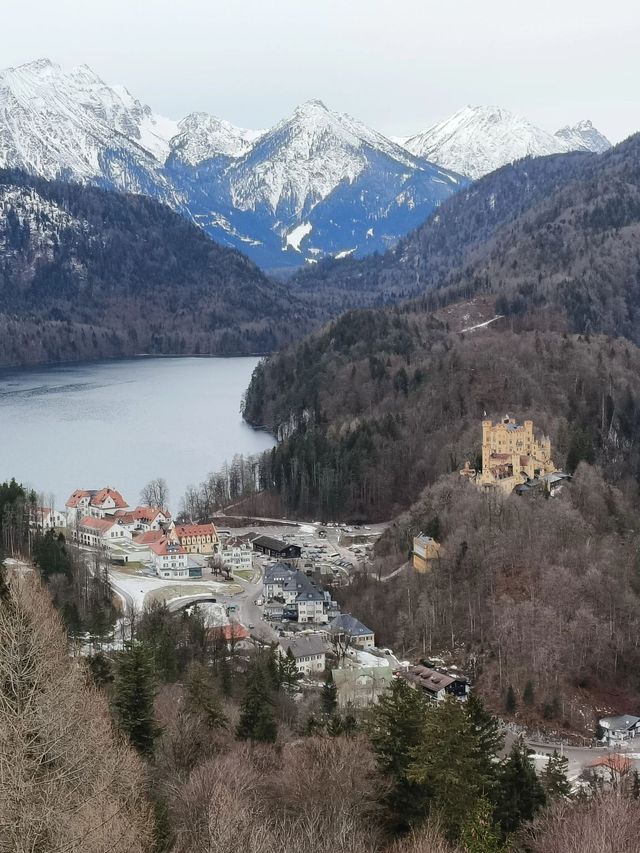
(272, 585)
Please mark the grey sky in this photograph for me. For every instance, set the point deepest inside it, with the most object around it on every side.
(399, 66)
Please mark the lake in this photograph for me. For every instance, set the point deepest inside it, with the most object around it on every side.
(122, 423)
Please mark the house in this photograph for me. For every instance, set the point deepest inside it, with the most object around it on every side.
(98, 503)
(198, 538)
(621, 728)
(100, 532)
(145, 518)
(106, 502)
(347, 630)
(436, 685)
(425, 551)
(236, 554)
(169, 558)
(276, 548)
(47, 518)
(231, 634)
(511, 456)
(310, 604)
(360, 686)
(308, 651)
(274, 580)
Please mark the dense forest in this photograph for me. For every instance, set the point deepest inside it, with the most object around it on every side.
(180, 743)
(86, 273)
(380, 404)
(552, 234)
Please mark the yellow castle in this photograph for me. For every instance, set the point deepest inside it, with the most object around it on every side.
(511, 455)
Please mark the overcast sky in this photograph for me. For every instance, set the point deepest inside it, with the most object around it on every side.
(398, 65)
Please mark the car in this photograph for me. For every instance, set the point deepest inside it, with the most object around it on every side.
(251, 627)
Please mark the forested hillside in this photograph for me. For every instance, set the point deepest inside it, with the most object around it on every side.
(444, 243)
(380, 404)
(86, 273)
(558, 233)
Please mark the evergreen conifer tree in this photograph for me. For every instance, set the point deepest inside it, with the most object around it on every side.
(134, 690)
(479, 833)
(450, 762)
(329, 694)
(224, 669)
(528, 695)
(554, 777)
(289, 675)
(395, 729)
(635, 785)
(201, 697)
(510, 703)
(257, 722)
(335, 726)
(273, 667)
(520, 793)
(100, 669)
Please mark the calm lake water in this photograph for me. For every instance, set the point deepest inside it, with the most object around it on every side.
(123, 423)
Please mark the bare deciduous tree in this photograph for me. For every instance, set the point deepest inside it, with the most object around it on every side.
(155, 493)
(66, 782)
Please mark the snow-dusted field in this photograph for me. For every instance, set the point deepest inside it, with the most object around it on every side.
(138, 587)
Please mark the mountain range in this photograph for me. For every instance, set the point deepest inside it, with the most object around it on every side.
(477, 140)
(318, 184)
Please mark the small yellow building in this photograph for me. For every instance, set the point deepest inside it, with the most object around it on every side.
(511, 455)
(425, 551)
(197, 538)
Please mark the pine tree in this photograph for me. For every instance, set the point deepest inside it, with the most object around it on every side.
(349, 725)
(479, 833)
(257, 722)
(554, 777)
(528, 695)
(273, 667)
(289, 675)
(449, 761)
(201, 697)
(329, 694)
(335, 726)
(395, 729)
(133, 694)
(100, 669)
(224, 670)
(510, 703)
(519, 794)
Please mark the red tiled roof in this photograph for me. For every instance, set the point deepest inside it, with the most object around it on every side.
(100, 524)
(195, 530)
(74, 500)
(149, 537)
(150, 513)
(100, 497)
(165, 547)
(234, 631)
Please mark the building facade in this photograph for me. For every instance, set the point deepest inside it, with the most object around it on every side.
(511, 455)
(198, 538)
(425, 551)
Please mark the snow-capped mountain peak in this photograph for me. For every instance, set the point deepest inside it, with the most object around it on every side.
(478, 140)
(583, 136)
(202, 136)
(306, 156)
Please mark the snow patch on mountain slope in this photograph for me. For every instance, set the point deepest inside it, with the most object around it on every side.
(295, 237)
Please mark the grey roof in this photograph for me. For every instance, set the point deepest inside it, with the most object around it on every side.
(429, 679)
(279, 572)
(272, 544)
(621, 723)
(348, 624)
(304, 646)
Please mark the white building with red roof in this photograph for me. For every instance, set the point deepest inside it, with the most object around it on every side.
(169, 558)
(144, 518)
(100, 532)
(105, 502)
(47, 518)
